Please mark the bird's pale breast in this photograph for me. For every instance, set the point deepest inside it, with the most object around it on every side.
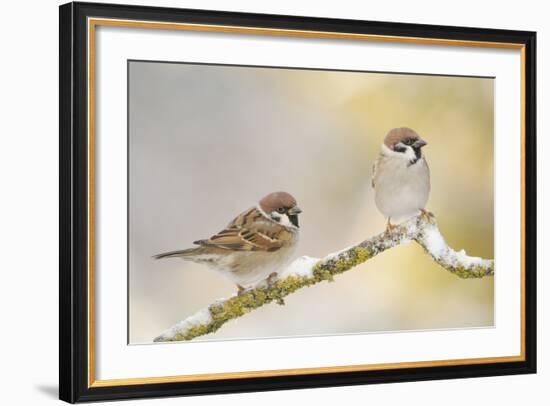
(401, 190)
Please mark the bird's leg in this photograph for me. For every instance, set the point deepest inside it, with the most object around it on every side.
(389, 226)
(428, 215)
(241, 290)
(271, 279)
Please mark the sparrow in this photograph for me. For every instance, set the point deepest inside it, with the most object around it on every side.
(253, 246)
(401, 176)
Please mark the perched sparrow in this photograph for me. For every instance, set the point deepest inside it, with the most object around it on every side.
(254, 245)
(401, 177)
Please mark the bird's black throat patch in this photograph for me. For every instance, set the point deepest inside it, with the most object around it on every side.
(293, 219)
(417, 152)
(417, 156)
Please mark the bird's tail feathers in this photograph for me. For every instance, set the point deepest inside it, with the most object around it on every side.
(177, 254)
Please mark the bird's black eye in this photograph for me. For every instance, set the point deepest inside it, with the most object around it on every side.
(281, 210)
(408, 141)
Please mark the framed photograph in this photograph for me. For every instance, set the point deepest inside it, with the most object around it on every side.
(257, 202)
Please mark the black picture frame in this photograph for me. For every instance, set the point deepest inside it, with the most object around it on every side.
(74, 385)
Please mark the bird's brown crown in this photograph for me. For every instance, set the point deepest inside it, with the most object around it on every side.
(400, 134)
(275, 200)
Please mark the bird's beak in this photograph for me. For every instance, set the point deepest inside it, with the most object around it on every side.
(419, 143)
(294, 211)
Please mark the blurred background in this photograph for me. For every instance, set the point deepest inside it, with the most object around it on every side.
(207, 142)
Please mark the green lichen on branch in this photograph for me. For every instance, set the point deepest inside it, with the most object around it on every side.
(473, 272)
(308, 271)
(325, 270)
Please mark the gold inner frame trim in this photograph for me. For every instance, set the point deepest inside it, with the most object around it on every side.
(94, 22)
(298, 371)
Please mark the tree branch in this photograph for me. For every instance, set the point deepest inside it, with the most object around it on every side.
(307, 271)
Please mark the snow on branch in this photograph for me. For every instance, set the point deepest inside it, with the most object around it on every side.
(307, 271)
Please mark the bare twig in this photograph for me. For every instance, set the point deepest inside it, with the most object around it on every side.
(307, 271)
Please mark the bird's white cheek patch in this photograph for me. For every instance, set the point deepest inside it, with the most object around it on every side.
(282, 219)
(410, 154)
(406, 156)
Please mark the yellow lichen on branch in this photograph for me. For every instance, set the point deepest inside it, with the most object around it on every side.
(306, 271)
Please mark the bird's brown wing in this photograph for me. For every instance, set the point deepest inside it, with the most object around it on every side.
(249, 231)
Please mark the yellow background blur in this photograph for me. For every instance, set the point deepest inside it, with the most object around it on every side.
(207, 142)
